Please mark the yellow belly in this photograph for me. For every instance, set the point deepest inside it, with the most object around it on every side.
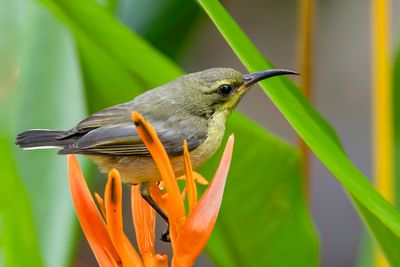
(135, 169)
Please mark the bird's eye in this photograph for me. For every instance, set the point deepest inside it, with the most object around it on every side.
(225, 90)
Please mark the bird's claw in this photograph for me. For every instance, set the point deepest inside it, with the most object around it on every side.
(165, 236)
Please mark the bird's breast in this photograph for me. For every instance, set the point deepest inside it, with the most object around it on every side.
(138, 169)
(215, 134)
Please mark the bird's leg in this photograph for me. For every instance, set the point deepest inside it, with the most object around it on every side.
(144, 189)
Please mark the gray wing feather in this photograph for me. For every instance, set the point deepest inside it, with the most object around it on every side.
(109, 116)
(111, 131)
(122, 139)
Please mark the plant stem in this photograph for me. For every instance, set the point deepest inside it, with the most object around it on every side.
(382, 107)
(305, 47)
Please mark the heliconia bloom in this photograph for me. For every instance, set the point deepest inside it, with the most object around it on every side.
(144, 220)
(89, 217)
(189, 233)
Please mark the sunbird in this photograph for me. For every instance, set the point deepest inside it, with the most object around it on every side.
(194, 107)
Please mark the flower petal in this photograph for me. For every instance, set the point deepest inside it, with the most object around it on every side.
(190, 183)
(100, 202)
(197, 177)
(144, 220)
(89, 217)
(113, 262)
(175, 209)
(159, 196)
(200, 179)
(161, 260)
(194, 235)
(113, 204)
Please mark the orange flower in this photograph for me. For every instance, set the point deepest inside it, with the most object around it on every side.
(189, 233)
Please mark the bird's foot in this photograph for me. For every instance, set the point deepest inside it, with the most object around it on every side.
(165, 236)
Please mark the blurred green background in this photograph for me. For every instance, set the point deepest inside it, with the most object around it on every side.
(62, 60)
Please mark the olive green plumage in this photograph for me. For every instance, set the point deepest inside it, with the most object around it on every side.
(193, 107)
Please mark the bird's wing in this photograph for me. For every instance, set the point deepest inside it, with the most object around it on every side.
(122, 139)
(116, 114)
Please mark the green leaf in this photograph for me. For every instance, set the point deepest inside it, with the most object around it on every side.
(379, 230)
(48, 95)
(166, 24)
(113, 58)
(97, 24)
(291, 218)
(18, 241)
(389, 242)
(263, 216)
(106, 80)
(366, 255)
(379, 215)
(17, 229)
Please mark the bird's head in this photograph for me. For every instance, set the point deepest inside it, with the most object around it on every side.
(220, 89)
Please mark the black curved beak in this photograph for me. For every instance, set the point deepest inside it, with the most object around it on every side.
(252, 78)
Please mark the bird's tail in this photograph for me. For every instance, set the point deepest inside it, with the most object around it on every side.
(41, 139)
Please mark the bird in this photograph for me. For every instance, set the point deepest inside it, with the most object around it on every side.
(193, 107)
